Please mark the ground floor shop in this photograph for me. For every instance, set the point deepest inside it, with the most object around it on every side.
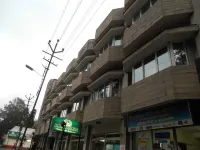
(172, 126)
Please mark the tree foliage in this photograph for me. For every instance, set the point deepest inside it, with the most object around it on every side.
(14, 114)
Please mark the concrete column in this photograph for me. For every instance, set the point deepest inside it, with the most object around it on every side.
(87, 138)
(125, 80)
(124, 140)
(195, 19)
(68, 142)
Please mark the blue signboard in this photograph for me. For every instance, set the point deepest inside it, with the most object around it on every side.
(161, 117)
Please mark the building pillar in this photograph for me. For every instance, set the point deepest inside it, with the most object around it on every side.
(195, 19)
(68, 142)
(124, 138)
(87, 138)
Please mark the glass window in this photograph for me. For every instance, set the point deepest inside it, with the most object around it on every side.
(138, 72)
(179, 54)
(145, 7)
(101, 92)
(136, 16)
(96, 95)
(163, 59)
(77, 105)
(118, 40)
(107, 90)
(150, 65)
(153, 2)
(115, 88)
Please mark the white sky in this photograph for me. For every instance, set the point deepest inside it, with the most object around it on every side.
(25, 28)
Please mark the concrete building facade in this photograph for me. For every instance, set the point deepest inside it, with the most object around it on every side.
(135, 86)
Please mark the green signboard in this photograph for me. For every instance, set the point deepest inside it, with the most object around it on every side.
(13, 134)
(71, 126)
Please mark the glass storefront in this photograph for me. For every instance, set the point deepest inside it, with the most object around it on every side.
(77, 144)
(106, 142)
(187, 138)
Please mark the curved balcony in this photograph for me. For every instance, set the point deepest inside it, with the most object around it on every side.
(60, 84)
(111, 59)
(171, 84)
(104, 109)
(76, 116)
(71, 67)
(114, 19)
(55, 103)
(66, 94)
(86, 50)
(81, 82)
(163, 14)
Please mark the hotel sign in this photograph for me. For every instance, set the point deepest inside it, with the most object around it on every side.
(71, 126)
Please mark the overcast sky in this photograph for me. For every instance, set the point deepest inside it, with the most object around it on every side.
(25, 28)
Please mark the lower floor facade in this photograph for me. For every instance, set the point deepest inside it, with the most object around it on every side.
(171, 126)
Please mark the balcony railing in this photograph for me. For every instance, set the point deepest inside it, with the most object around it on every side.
(66, 94)
(114, 19)
(102, 109)
(76, 115)
(173, 83)
(163, 14)
(110, 59)
(80, 82)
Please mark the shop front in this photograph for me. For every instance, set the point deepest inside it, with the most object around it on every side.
(169, 127)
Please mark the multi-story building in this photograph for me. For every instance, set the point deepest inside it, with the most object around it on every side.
(135, 86)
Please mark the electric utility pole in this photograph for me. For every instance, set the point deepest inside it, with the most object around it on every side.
(46, 69)
(22, 117)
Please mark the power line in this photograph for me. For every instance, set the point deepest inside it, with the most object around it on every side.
(80, 22)
(63, 12)
(74, 13)
(60, 20)
(84, 27)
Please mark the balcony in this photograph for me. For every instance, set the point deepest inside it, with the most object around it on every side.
(55, 103)
(163, 14)
(79, 95)
(171, 84)
(48, 108)
(85, 61)
(108, 108)
(65, 95)
(76, 116)
(71, 67)
(170, 35)
(86, 50)
(111, 59)
(81, 82)
(60, 84)
(114, 19)
(128, 3)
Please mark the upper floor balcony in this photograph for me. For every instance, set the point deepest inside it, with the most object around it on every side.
(114, 19)
(71, 67)
(110, 59)
(48, 108)
(66, 94)
(86, 50)
(173, 83)
(147, 18)
(60, 84)
(101, 110)
(55, 103)
(76, 115)
(81, 82)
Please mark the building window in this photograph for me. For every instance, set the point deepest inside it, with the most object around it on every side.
(101, 92)
(138, 72)
(160, 60)
(107, 90)
(136, 16)
(75, 107)
(163, 59)
(115, 88)
(145, 7)
(118, 40)
(179, 52)
(150, 65)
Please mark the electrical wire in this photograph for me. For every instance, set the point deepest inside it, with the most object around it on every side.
(63, 12)
(74, 13)
(84, 27)
(80, 23)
